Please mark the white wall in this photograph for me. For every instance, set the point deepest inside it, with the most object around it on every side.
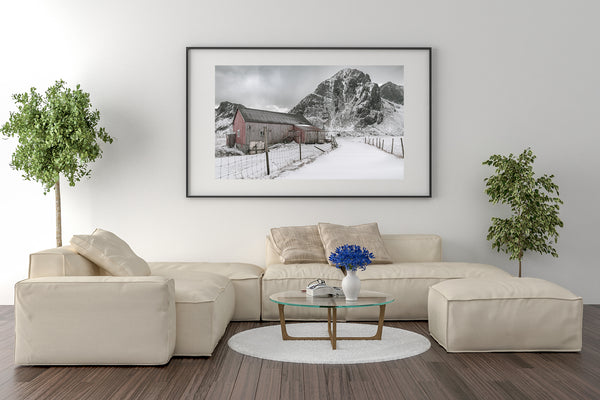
(506, 75)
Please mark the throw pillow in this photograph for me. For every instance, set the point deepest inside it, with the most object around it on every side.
(366, 235)
(110, 252)
(298, 244)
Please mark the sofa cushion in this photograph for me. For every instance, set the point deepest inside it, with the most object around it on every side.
(299, 244)
(366, 235)
(400, 247)
(244, 277)
(308, 272)
(204, 290)
(508, 288)
(110, 252)
(284, 277)
(444, 270)
(196, 270)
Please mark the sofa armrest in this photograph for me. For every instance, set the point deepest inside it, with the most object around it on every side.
(61, 261)
(94, 320)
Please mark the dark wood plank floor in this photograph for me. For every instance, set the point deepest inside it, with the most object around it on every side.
(434, 374)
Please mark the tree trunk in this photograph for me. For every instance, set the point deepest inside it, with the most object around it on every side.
(58, 218)
(520, 258)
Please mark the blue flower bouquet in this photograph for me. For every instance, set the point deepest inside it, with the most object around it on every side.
(351, 257)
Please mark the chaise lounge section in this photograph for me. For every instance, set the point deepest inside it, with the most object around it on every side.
(203, 297)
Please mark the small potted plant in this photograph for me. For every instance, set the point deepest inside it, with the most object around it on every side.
(350, 258)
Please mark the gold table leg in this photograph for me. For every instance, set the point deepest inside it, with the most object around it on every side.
(332, 328)
(329, 321)
(377, 335)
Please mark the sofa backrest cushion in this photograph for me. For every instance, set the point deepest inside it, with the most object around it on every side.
(400, 247)
(366, 235)
(60, 261)
(298, 244)
(414, 248)
(111, 253)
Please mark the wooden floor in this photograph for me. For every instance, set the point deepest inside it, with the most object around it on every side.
(434, 374)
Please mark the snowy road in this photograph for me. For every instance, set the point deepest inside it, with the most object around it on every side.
(351, 160)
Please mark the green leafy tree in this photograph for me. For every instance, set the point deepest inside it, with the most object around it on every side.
(58, 135)
(534, 204)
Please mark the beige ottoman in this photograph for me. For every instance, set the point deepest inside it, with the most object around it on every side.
(510, 314)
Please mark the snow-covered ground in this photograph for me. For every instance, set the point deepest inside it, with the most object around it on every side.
(353, 159)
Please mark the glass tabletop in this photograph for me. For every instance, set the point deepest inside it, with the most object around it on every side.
(300, 299)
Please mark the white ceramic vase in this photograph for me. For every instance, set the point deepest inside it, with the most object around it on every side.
(351, 285)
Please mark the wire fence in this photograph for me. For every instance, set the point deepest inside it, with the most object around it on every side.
(393, 145)
(269, 164)
(280, 158)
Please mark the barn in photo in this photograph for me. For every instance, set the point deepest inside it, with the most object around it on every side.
(251, 125)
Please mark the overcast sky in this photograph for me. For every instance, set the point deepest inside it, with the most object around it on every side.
(279, 88)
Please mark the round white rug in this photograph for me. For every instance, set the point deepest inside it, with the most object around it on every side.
(266, 342)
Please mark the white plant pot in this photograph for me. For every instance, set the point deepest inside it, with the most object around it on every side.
(351, 286)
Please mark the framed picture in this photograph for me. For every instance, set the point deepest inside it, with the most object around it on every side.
(308, 122)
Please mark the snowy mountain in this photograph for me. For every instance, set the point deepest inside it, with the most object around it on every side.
(392, 92)
(347, 99)
(224, 115)
(350, 102)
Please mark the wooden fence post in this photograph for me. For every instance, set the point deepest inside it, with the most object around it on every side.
(267, 150)
(402, 144)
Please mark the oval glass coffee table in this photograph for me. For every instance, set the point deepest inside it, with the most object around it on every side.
(298, 298)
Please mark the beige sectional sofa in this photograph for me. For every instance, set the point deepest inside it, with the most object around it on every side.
(73, 312)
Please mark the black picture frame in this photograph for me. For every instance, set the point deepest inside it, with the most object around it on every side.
(201, 93)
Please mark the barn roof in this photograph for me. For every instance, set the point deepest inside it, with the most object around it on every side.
(272, 117)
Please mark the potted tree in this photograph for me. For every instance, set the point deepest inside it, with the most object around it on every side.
(534, 204)
(58, 135)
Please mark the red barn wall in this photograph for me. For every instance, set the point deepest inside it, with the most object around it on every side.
(239, 128)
